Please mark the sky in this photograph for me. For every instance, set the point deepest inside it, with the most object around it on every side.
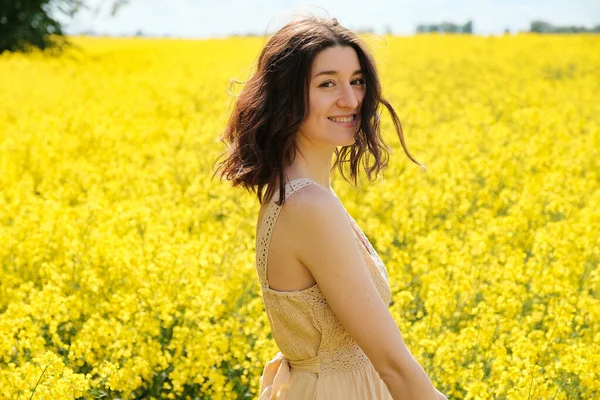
(222, 18)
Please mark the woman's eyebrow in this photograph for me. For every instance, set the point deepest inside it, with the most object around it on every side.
(358, 71)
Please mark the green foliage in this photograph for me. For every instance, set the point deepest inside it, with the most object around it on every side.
(30, 24)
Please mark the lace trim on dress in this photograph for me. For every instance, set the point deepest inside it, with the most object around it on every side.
(266, 230)
(343, 360)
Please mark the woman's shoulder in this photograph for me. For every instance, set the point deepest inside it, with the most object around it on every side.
(310, 198)
(310, 207)
(306, 198)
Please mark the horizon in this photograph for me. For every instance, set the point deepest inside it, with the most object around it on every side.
(198, 19)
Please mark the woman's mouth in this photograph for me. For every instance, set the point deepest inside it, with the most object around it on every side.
(347, 121)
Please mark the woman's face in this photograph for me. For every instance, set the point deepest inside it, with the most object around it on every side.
(336, 92)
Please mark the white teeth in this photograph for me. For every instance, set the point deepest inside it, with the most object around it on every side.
(343, 119)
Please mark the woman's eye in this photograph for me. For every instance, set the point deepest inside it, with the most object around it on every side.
(327, 84)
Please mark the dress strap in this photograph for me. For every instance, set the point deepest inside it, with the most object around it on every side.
(267, 224)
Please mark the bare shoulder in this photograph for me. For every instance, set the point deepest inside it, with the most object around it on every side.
(312, 214)
(313, 207)
(310, 200)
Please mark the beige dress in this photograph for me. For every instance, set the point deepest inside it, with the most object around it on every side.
(318, 359)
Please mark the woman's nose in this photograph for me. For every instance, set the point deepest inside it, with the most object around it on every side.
(347, 97)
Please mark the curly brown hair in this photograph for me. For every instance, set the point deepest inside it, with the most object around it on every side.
(274, 103)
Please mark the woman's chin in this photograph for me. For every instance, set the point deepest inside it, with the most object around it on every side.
(350, 141)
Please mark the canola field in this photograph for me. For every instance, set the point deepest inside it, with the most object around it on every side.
(126, 272)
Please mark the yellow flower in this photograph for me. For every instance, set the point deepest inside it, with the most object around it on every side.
(126, 269)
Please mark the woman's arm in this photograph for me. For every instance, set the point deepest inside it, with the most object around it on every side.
(326, 245)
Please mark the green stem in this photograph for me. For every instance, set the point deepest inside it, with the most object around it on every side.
(38, 382)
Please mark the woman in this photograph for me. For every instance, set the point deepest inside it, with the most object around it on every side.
(315, 94)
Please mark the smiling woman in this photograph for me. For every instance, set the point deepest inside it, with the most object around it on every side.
(263, 130)
(336, 94)
(316, 94)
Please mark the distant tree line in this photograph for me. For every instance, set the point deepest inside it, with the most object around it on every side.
(536, 27)
(446, 27)
(545, 27)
